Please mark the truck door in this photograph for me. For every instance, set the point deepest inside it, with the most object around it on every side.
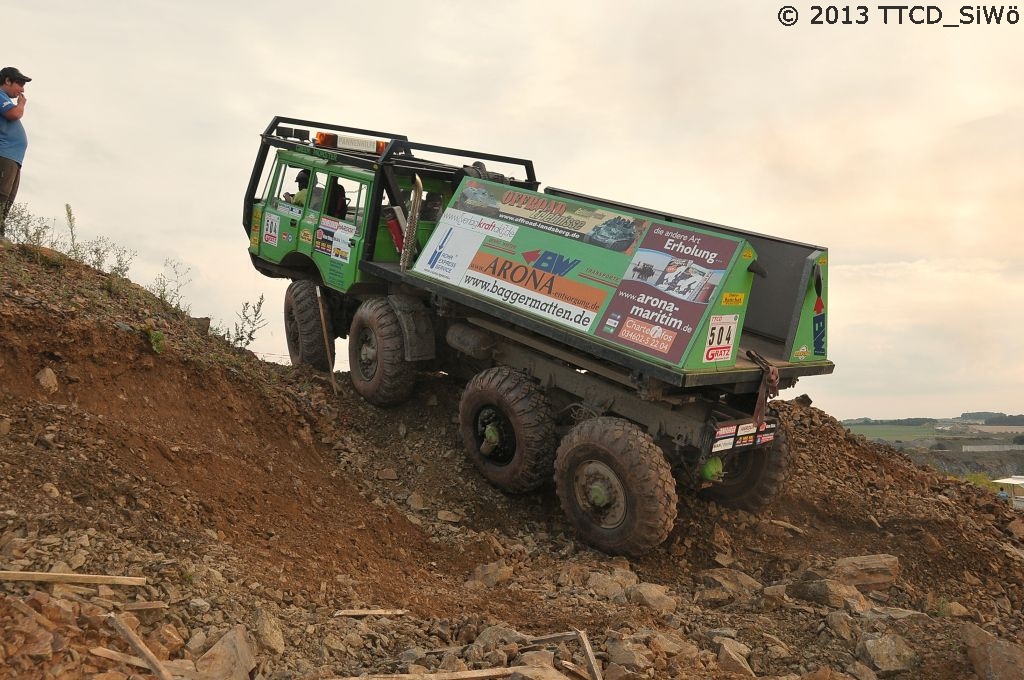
(279, 229)
(335, 221)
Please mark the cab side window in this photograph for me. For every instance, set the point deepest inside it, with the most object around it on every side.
(318, 186)
(291, 185)
(344, 199)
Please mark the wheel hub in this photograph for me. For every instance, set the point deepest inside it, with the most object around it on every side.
(600, 492)
(492, 438)
(367, 355)
(496, 437)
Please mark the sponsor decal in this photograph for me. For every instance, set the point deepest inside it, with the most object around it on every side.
(733, 299)
(340, 248)
(539, 281)
(306, 236)
(801, 353)
(819, 328)
(548, 261)
(818, 325)
(748, 254)
(292, 210)
(647, 335)
(722, 444)
(438, 253)
(721, 337)
(725, 431)
(254, 240)
(271, 228)
(765, 438)
(745, 441)
(533, 203)
(612, 322)
(746, 428)
(324, 241)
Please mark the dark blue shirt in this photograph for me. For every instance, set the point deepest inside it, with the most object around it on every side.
(13, 140)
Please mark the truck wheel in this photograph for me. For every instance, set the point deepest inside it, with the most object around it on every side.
(376, 355)
(616, 486)
(303, 330)
(507, 429)
(751, 480)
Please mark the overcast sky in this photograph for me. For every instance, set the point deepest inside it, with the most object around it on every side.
(899, 147)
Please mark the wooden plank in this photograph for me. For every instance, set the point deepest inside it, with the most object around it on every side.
(370, 612)
(142, 606)
(554, 638)
(180, 667)
(40, 620)
(592, 665)
(139, 646)
(46, 576)
(482, 674)
(572, 669)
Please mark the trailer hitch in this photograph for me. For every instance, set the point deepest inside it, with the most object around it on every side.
(769, 388)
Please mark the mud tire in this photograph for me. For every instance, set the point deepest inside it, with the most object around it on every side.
(303, 330)
(753, 480)
(376, 355)
(623, 463)
(508, 402)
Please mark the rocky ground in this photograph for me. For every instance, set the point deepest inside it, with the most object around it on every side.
(285, 531)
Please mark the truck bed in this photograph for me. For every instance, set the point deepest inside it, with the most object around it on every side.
(744, 376)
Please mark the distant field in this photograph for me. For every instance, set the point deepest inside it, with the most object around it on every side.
(893, 433)
(992, 429)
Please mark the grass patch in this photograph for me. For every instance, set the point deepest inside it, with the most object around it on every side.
(895, 433)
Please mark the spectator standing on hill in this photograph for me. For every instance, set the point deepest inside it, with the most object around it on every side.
(13, 140)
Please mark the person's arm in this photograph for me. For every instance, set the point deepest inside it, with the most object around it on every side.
(17, 111)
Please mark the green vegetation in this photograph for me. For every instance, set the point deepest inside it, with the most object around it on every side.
(157, 340)
(50, 246)
(982, 480)
(1005, 420)
(890, 432)
(25, 228)
(980, 415)
(168, 285)
(250, 321)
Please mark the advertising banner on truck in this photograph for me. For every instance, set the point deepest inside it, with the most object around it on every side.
(630, 281)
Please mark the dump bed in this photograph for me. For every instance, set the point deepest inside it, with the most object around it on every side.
(677, 299)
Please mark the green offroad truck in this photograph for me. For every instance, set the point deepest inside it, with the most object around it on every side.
(626, 353)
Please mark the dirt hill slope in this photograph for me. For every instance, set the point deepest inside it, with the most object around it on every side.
(249, 493)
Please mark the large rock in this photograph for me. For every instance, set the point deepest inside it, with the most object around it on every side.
(47, 379)
(992, 658)
(232, 658)
(887, 654)
(268, 632)
(732, 657)
(868, 572)
(492, 637)
(652, 596)
(725, 585)
(831, 594)
(733, 581)
(491, 574)
(625, 653)
(606, 587)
